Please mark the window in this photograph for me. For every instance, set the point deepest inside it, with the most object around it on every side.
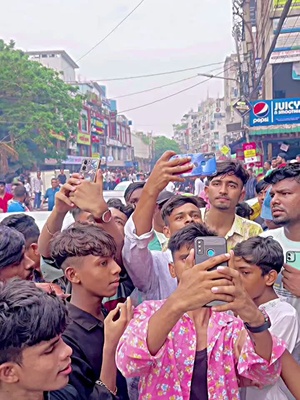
(84, 121)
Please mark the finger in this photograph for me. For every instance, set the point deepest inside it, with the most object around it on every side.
(213, 262)
(99, 178)
(177, 161)
(76, 176)
(220, 282)
(68, 188)
(190, 260)
(73, 181)
(64, 199)
(230, 272)
(129, 309)
(229, 306)
(290, 269)
(215, 275)
(180, 169)
(226, 289)
(231, 260)
(113, 313)
(167, 155)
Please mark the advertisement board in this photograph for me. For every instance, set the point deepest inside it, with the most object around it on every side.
(279, 5)
(275, 112)
(84, 138)
(287, 47)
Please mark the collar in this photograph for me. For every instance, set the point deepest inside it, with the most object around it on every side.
(83, 319)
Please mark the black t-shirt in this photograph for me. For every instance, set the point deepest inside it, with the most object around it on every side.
(199, 380)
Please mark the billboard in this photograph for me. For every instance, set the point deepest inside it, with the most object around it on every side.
(287, 47)
(275, 112)
(279, 4)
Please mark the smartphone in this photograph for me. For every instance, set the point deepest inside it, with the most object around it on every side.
(208, 247)
(292, 258)
(204, 164)
(89, 168)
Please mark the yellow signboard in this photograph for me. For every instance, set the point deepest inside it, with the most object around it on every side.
(58, 136)
(250, 153)
(96, 155)
(225, 150)
(84, 138)
(279, 4)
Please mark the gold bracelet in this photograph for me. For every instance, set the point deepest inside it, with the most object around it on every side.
(100, 383)
(47, 229)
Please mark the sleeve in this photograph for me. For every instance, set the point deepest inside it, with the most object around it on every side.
(133, 358)
(138, 259)
(251, 366)
(287, 328)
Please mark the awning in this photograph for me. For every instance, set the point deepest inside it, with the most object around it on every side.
(274, 130)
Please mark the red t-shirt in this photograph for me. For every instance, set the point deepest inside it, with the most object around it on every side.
(4, 201)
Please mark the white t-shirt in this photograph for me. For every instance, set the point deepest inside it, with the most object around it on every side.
(285, 325)
(288, 246)
(199, 187)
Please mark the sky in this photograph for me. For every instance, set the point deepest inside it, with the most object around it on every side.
(161, 35)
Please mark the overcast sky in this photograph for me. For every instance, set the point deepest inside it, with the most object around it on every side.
(162, 35)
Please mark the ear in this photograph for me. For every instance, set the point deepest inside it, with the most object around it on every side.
(242, 195)
(166, 232)
(72, 275)
(35, 248)
(271, 278)
(172, 270)
(9, 373)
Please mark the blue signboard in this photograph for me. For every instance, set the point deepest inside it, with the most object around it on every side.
(275, 112)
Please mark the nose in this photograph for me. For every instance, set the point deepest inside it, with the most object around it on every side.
(223, 188)
(66, 351)
(115, 268)
(188, 220)
(29, 263)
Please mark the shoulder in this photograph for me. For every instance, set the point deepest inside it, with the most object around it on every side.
(275, 233)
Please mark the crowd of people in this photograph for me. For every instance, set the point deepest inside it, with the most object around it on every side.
(114, 305)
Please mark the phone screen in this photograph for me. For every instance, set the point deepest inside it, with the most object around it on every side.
(89, 168)
(204, 164)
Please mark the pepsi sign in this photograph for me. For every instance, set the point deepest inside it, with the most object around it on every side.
(275, 112)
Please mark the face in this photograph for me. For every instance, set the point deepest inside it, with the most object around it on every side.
(279, 160)
(44, 367)
(54, 183)
(262, 195)
(267, 166)
(298, 158)
(180, 217)
(23, 270)
(38, 175)
(253, 280)
(285, 202)
(179, 262)
(2, 189)
(135, 197)
(225, 192)
(100, 276)
(119, 218)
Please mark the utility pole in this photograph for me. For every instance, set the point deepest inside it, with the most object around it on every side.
(284, 14)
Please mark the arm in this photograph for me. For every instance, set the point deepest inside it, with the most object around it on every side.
(291, 373)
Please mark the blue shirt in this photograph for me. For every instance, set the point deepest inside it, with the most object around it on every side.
(50, 195)
(16, 206)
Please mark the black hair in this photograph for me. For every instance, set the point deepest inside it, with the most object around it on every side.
(268, 162)
(266, 253)
(187, 235)
(261, 185)
(176, 202)
(235, 168)
(291, 171)
(28, 316)
(12, 245)
(80, 240)
(25, 224)
(117, 203)
(244, 210)
(283, 156)
(132, 188)
(19, 191)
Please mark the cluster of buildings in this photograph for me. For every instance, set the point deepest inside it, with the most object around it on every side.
(102, 132)
(256, 117)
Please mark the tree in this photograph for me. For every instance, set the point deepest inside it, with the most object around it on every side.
(34, 102)
(162, 144)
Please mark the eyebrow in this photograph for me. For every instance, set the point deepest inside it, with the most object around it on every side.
(51, 344)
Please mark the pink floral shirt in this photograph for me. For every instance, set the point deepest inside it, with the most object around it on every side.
(168, 375)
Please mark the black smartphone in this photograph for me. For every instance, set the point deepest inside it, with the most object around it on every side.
(208, 247)
(89, 168)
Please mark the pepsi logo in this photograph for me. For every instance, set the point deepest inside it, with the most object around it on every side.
(261, 109)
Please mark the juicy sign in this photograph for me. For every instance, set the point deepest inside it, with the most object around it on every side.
(275, 112)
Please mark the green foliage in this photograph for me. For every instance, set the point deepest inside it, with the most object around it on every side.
(162, 144)
(33, 102)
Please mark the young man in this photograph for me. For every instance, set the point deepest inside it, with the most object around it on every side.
(51, 193)
(86, 254)
(267, 167)
(225, 191)
(285, 195)
(14, 261)
(281, 160)
(17, 203)
(250, 185)
(4, 197)
(35, 363)
(62, 177)
(182, 349)
(133, 193)
(259, 262)
(37, 185)
(152, 276)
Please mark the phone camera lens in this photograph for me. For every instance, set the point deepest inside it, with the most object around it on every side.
(210, 253)
(85, 162)
(84, 168)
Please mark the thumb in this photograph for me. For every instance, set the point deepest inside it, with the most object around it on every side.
(113, 313)
(190, 261)
(99, 177)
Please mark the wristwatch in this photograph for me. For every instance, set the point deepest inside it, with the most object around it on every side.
(105, 218)
(258, 329)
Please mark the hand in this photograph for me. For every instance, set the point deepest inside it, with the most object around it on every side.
(52, 288)
(166, 170)
(88, 196)
(291, 280)
(241, 303)
(196, 282)
(63, 204)
(116, 322)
